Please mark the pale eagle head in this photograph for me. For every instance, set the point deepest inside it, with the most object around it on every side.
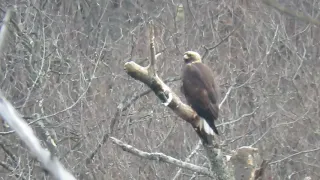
(191, 57)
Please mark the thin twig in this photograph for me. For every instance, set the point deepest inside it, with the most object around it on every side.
(226, 96)
(295, 154)
(208, 49)
(197, 147)
(11, 169)
(152, 66)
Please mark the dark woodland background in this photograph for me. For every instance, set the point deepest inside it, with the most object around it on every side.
(63, 65)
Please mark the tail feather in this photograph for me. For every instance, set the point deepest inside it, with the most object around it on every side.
(206, 127)
(207, 132)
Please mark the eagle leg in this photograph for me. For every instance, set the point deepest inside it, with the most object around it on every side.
(168, 95)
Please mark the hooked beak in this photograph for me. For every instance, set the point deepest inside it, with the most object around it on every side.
(185, 57)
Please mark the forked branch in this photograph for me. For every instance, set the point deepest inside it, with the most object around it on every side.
(161, 90)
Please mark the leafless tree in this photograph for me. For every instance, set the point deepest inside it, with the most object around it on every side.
(62, 68)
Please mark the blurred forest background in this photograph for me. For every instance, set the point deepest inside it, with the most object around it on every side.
(63, 71)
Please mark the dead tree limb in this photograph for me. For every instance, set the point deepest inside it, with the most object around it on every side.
(49, 162)
(161, 90)
(162, 157)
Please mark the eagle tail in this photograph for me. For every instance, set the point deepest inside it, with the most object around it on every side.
(209, 128)
(206, 132)
(206, 127)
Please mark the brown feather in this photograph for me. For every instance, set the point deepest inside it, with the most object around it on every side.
(200, 91)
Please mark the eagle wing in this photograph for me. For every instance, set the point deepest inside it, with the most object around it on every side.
(199, 87)
(200, 91)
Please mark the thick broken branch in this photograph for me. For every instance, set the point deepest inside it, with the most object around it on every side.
(161, 90)
(50, 163)
(162, 157)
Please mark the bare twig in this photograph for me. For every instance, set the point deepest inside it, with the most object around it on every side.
(188, 159)
(162, 157)
(11, 169)
(152, 67)
(241, 117)
(50, 163)
(296, 154)
(4, 31)
(290, 12)
(226, 96)
(208, 49)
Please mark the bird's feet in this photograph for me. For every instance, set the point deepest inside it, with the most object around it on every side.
(168, 95)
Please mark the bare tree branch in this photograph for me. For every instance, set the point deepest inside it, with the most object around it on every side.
(123, 106)
(296, 154)
(208, 49)
(50, 163)
(152, 67)
(162, 157)
(188, 159)
(161, 90)
(11, 169)
(290, 12)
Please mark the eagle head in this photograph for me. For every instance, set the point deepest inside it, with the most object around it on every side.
(191, 57)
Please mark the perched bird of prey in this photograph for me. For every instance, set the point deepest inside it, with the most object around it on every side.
(200, 91)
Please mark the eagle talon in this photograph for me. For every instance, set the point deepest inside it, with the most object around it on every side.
(168, 95)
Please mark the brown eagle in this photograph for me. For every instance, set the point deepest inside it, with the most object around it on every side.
(200, 91)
